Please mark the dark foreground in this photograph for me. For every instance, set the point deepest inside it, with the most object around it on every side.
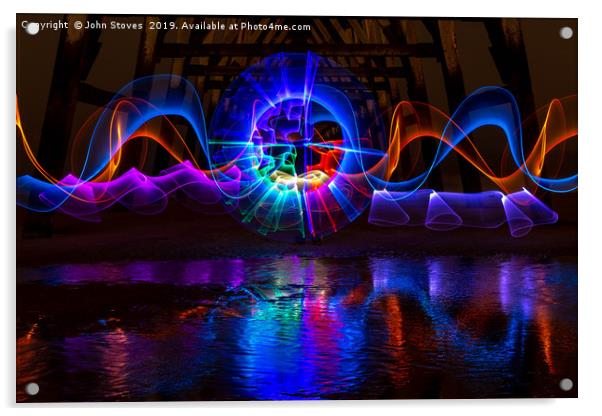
(182, 306)
(298, 328)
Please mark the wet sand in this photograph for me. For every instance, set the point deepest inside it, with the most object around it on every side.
(180, 234)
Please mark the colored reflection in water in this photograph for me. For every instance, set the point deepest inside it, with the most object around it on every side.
(298, 328)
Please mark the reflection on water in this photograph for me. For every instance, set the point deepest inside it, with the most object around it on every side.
(298, 328)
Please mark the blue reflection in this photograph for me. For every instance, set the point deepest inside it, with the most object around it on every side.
(305, 328)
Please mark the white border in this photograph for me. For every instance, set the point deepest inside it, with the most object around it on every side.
(590, 151)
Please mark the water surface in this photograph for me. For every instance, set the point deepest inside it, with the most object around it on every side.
(298, 328)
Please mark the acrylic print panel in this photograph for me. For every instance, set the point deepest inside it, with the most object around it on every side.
(291, 208)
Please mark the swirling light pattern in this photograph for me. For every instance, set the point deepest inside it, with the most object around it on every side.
(296, 150)
(300, 129)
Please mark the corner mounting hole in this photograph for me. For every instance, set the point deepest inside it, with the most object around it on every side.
(566, 384)
(32, 389)
(566, 32)
(32, 28)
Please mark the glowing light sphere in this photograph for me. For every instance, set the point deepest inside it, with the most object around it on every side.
(305, 134)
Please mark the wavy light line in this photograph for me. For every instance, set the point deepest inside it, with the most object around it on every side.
(296, 154)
